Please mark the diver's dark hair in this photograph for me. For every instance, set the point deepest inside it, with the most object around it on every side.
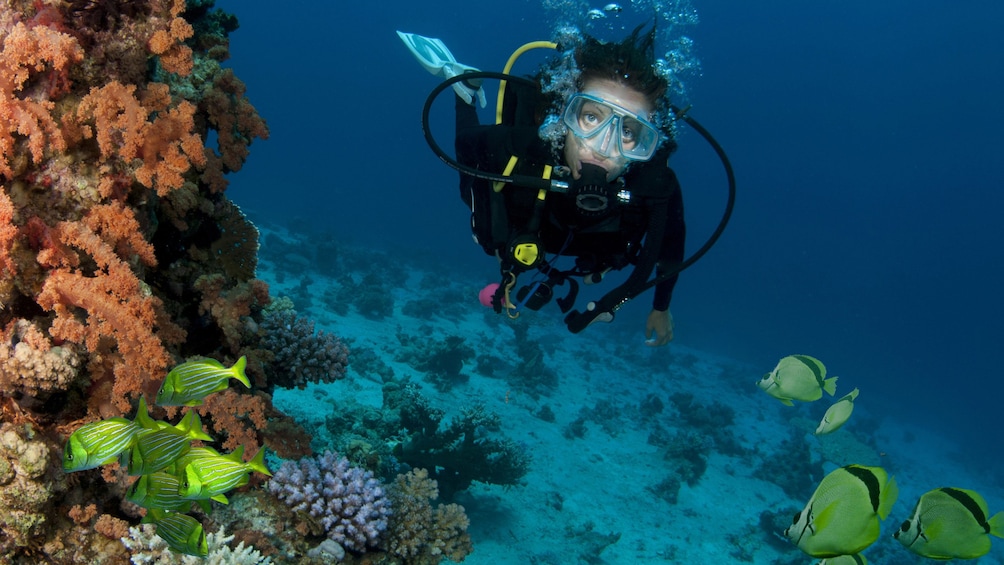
(630, 62)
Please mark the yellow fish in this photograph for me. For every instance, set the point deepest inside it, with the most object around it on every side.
(950, 523)
(798, 377)
(188, 383)
(837, 414)
(842, 517)
(182, 533)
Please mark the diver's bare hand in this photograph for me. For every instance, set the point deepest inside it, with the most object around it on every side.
(658, 328)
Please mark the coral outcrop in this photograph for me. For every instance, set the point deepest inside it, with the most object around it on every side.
(112, 210)
(343, 502)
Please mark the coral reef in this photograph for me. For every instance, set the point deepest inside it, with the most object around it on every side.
(531, 375)
(419, 533)
(343, 502)
(410, 430)
(300, 355)
(713, 420)
(469, 448)
(440, 360)
(148, 549)
(795, 473)
(120, 253)
(30, 480)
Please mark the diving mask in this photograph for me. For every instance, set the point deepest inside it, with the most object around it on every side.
(604, 127)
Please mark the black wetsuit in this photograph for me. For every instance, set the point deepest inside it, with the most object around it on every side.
(611, 242)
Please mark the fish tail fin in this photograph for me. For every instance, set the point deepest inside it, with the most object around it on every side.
(194, 426)
(258, 462)
(997, 525)
(889, 495)
(830, 385)
(238, 370)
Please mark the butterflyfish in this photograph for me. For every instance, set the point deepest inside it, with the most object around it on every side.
(837, 414)
(950, 523)
(798, 377)
(842, 517)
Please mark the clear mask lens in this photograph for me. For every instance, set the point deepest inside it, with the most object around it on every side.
(609, 129)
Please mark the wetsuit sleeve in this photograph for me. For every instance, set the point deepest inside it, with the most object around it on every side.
(672, 248)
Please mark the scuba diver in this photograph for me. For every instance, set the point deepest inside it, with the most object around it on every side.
(575, 166)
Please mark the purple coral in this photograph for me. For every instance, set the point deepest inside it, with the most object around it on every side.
(300, 355)
(348, 502)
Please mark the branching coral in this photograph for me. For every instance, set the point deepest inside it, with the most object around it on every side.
(149, 549)
(345, 502)
(301, 356)
(419, 533)
(441, 360)
(469, 448)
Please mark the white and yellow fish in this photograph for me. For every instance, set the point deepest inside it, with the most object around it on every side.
(837, 414)
(798, 377)
(950, 523)
(842, 517)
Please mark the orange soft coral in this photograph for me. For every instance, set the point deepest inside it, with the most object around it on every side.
(167, 145)
(106, 303)
(25, 52)
(238, 415)
(168, 44)
(8, 232)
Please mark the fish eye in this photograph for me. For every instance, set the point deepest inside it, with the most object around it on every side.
(795, 519)
(905, 526)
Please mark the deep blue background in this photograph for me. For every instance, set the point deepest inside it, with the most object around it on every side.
(866, 138)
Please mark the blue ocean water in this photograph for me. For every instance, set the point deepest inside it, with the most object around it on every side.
(866, 140)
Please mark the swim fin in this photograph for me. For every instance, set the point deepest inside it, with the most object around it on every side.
(433, 54)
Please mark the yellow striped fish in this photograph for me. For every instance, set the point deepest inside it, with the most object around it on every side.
(182, 533)
(159, 490)
(197, 452)
(160, 444)
(188, 383)
(210, 477)
(98, 443)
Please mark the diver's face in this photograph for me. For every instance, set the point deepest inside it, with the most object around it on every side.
(578, 152)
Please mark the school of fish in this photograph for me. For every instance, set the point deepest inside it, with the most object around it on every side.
(843, 516)
(172, 474)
